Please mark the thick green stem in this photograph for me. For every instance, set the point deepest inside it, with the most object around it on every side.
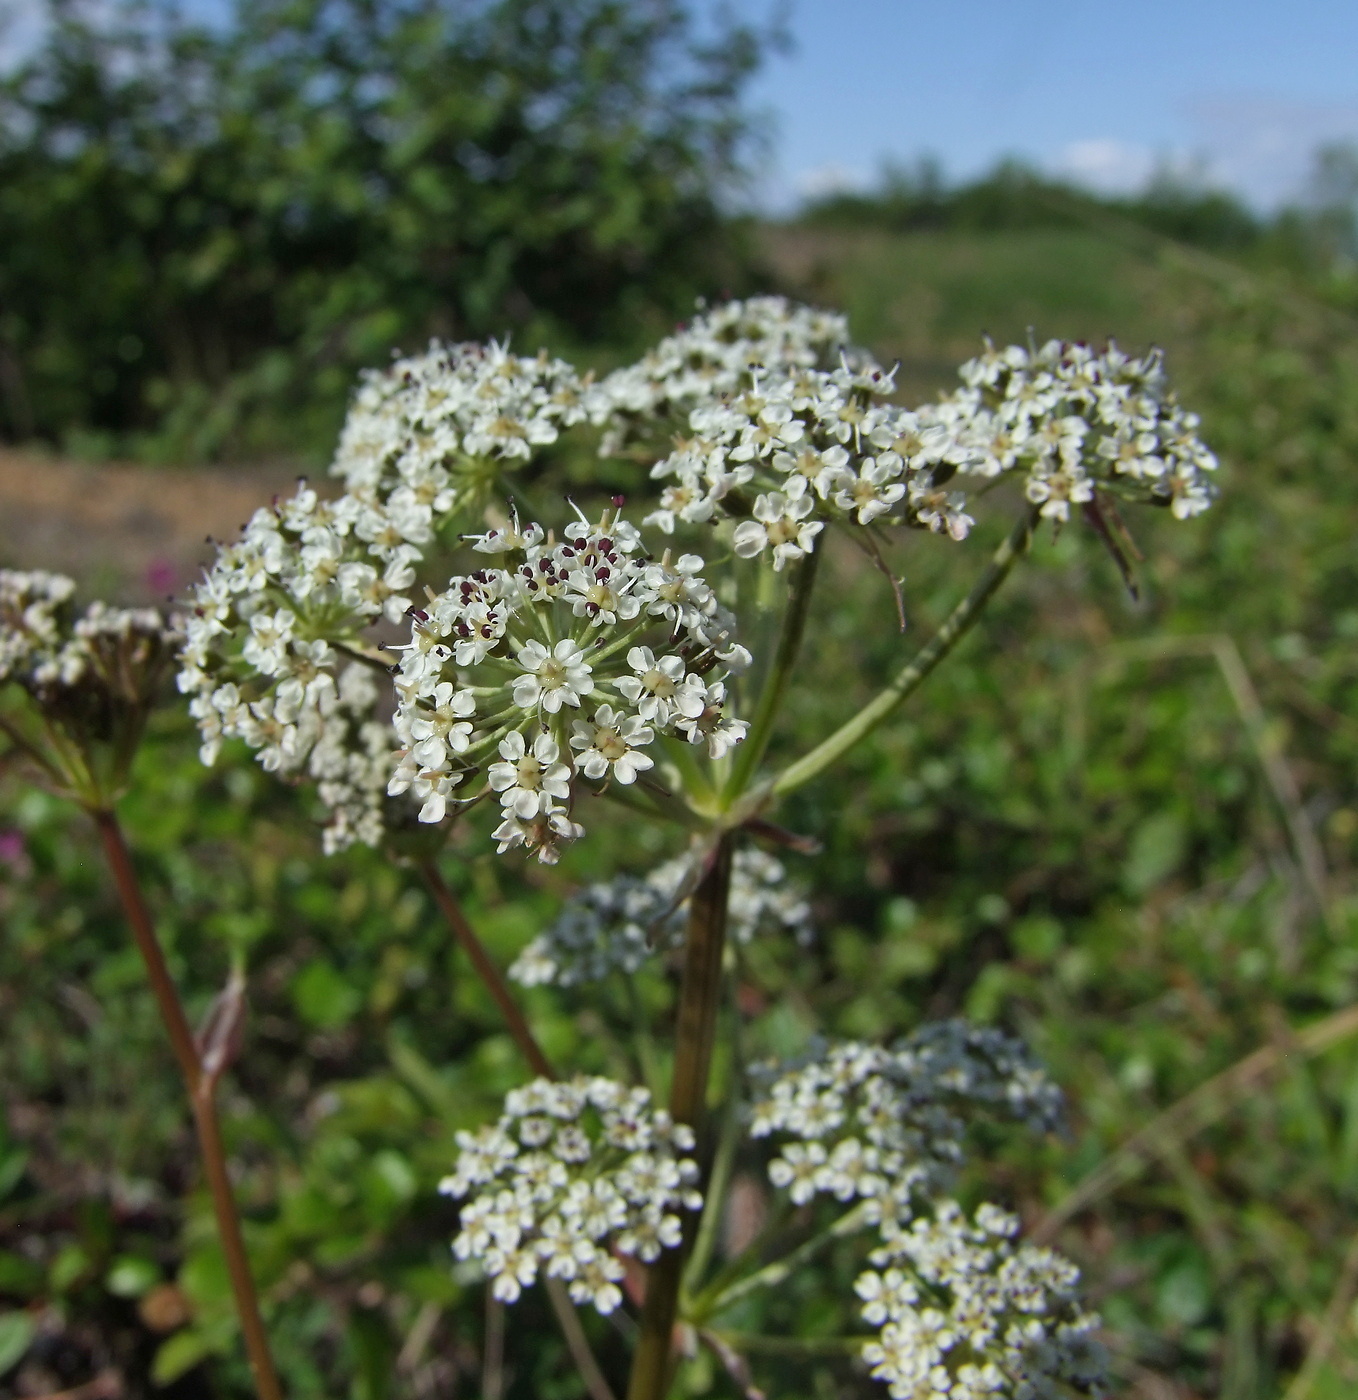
(695, 1033)
(486, 970)
(911, 677)
(780, 672)
(202, 1087)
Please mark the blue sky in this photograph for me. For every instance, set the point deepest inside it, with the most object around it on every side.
(1101, 90)
(1242, 91)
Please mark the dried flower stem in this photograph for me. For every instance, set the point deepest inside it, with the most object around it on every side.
(202, 1087)
(486, 970)
(911, 677)
(695, 1032)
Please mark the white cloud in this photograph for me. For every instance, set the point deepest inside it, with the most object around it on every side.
(825, 180)
(1107, 165)
(1264, 146)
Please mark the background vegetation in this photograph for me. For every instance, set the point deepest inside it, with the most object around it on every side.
(1125, 827)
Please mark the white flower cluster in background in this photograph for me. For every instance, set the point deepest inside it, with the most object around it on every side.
(565, 662)
(429, 435)
(270, 645)
(886, 1127)
(572, 1173)
(47, 649)
(617, 925)
(797, 448)
(33, 613)
(712, 355)
(967, 1313)
(1075, 420)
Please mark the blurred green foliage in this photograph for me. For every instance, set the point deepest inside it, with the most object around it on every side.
(208, 230)
(1071, 831)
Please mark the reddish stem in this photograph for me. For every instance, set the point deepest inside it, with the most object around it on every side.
(487, 971)
(202, 1089)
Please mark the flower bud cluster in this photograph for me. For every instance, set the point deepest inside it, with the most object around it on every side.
(712, 355)
(572, 1174)
(270, 646)
(119, 652)
(618, 925)
(1075, 421)
(793, 449)
(886, 1127)
(567, 661)
(967, 1313)
(429, 435)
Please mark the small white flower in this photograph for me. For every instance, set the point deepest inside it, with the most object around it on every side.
(656, 688)
(553, 678)
(779, 523)
(530, 781)
(608, 745)
(446, 727)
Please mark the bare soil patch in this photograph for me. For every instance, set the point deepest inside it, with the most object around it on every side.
(130, 533)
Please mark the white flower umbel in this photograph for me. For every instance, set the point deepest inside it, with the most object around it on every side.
(711, 356)
(34, 618)
(967, 1312)
(48, 650)
(562, 663)
(269, 647)
(89, 682)
(887, 1127)
(572, 1174)
(1076, 421)
(431, 435)
(617, 925)
(790, 449)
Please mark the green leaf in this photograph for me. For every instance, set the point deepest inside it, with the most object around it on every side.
(1156, 851)
(12, 1166)
(16, 1332)
(204, 1277)
(19, 1276)
(179, 1354)
(68, 1268)
(130, 1276)
(323, 998)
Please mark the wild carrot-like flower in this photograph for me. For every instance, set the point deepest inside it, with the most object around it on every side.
(90, 681)
(964, 1312)
(1076, 420)
(429, 436)
(886, 1127)
(565, 662)
(570, 1174)
(711, 357)
(274, 651)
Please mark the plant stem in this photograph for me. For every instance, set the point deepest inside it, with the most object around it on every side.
(780, 1269)
(695, 1032)
(486, 970)
(909, 679)
(576, 1341)
(202, 1089)
(717, 1182)
(780, 671)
